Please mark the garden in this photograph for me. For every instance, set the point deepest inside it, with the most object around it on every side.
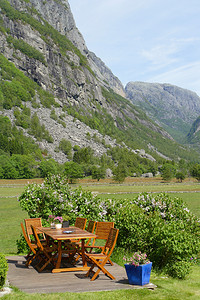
(160, 225)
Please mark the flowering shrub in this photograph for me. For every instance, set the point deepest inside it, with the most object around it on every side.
(168, 208)
(55, 197)
(137, 259)
(163, 228)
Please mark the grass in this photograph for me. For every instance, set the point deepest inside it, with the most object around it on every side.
(143, 187)
(11, 216)
(167, 288)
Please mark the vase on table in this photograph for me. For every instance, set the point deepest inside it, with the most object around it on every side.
(139, 275)
(52, 225)
(58, 226)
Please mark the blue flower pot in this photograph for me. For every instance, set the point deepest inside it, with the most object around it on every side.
(138, 275)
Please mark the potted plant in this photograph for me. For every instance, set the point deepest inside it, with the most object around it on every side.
(51, 221)
(66, 219)
(138, 268)
(58, 222)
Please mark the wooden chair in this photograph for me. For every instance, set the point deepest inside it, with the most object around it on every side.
(100, 259)
(36, 222)
(102, 232)
(47, 253)
(32, 253)
(80, 223)
(90, 228)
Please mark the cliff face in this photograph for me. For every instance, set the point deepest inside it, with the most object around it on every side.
(173, 107)
(58, 14)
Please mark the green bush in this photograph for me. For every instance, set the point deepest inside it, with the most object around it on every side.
(26, 49)
(66, 147)
(179, 269)
(160, 226)
(55, 197)
(3, 269)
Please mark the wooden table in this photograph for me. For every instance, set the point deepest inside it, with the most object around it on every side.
(58, 235)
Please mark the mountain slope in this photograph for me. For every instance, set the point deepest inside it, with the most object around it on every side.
(48, 76)
(193, 137)
(173, 107)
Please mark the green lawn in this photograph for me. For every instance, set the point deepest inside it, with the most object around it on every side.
(142, 187)
(11, 216)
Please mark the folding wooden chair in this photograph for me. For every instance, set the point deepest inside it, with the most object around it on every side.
(80, 223)
(90, 228)
(100, 259)
(102, 232)
(47, 253)
(32, 253)
(36, 222)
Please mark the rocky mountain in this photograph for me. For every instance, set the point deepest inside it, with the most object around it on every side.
(53, 88)
(174, 108)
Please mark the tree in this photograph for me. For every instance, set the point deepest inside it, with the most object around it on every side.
(66, 147)
(180, 176)
(195, 171)
(98, 173)
(24, 165)
(48, 167)
(84, 156)
(73, 171)
(168, 171)
(120, 173)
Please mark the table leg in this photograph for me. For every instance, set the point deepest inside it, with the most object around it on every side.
(83, 253)
(59, 255)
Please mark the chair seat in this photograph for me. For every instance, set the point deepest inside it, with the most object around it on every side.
(96, 255)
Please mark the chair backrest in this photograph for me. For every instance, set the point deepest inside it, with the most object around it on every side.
(35, 234)
(111, 241)
(36, 222)
(27, 239)
(91, 226)
(103, 229)
(80, 223)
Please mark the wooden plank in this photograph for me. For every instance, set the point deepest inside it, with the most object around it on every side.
(30, 281)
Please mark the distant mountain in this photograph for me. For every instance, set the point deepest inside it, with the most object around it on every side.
(53, 88)
(172, 107)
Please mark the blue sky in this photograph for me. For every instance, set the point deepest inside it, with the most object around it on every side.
(144, 40)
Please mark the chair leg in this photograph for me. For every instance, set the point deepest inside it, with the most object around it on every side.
(111, 263)
(100, 267)
(90, 270)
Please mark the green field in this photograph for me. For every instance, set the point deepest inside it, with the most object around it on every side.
(167, 288)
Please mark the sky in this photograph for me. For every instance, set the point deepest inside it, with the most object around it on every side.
(144, 40)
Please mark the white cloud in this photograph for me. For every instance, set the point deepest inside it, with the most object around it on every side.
(161, 55)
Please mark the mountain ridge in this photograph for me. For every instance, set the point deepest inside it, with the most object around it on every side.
(174, 108)
(73, 96)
